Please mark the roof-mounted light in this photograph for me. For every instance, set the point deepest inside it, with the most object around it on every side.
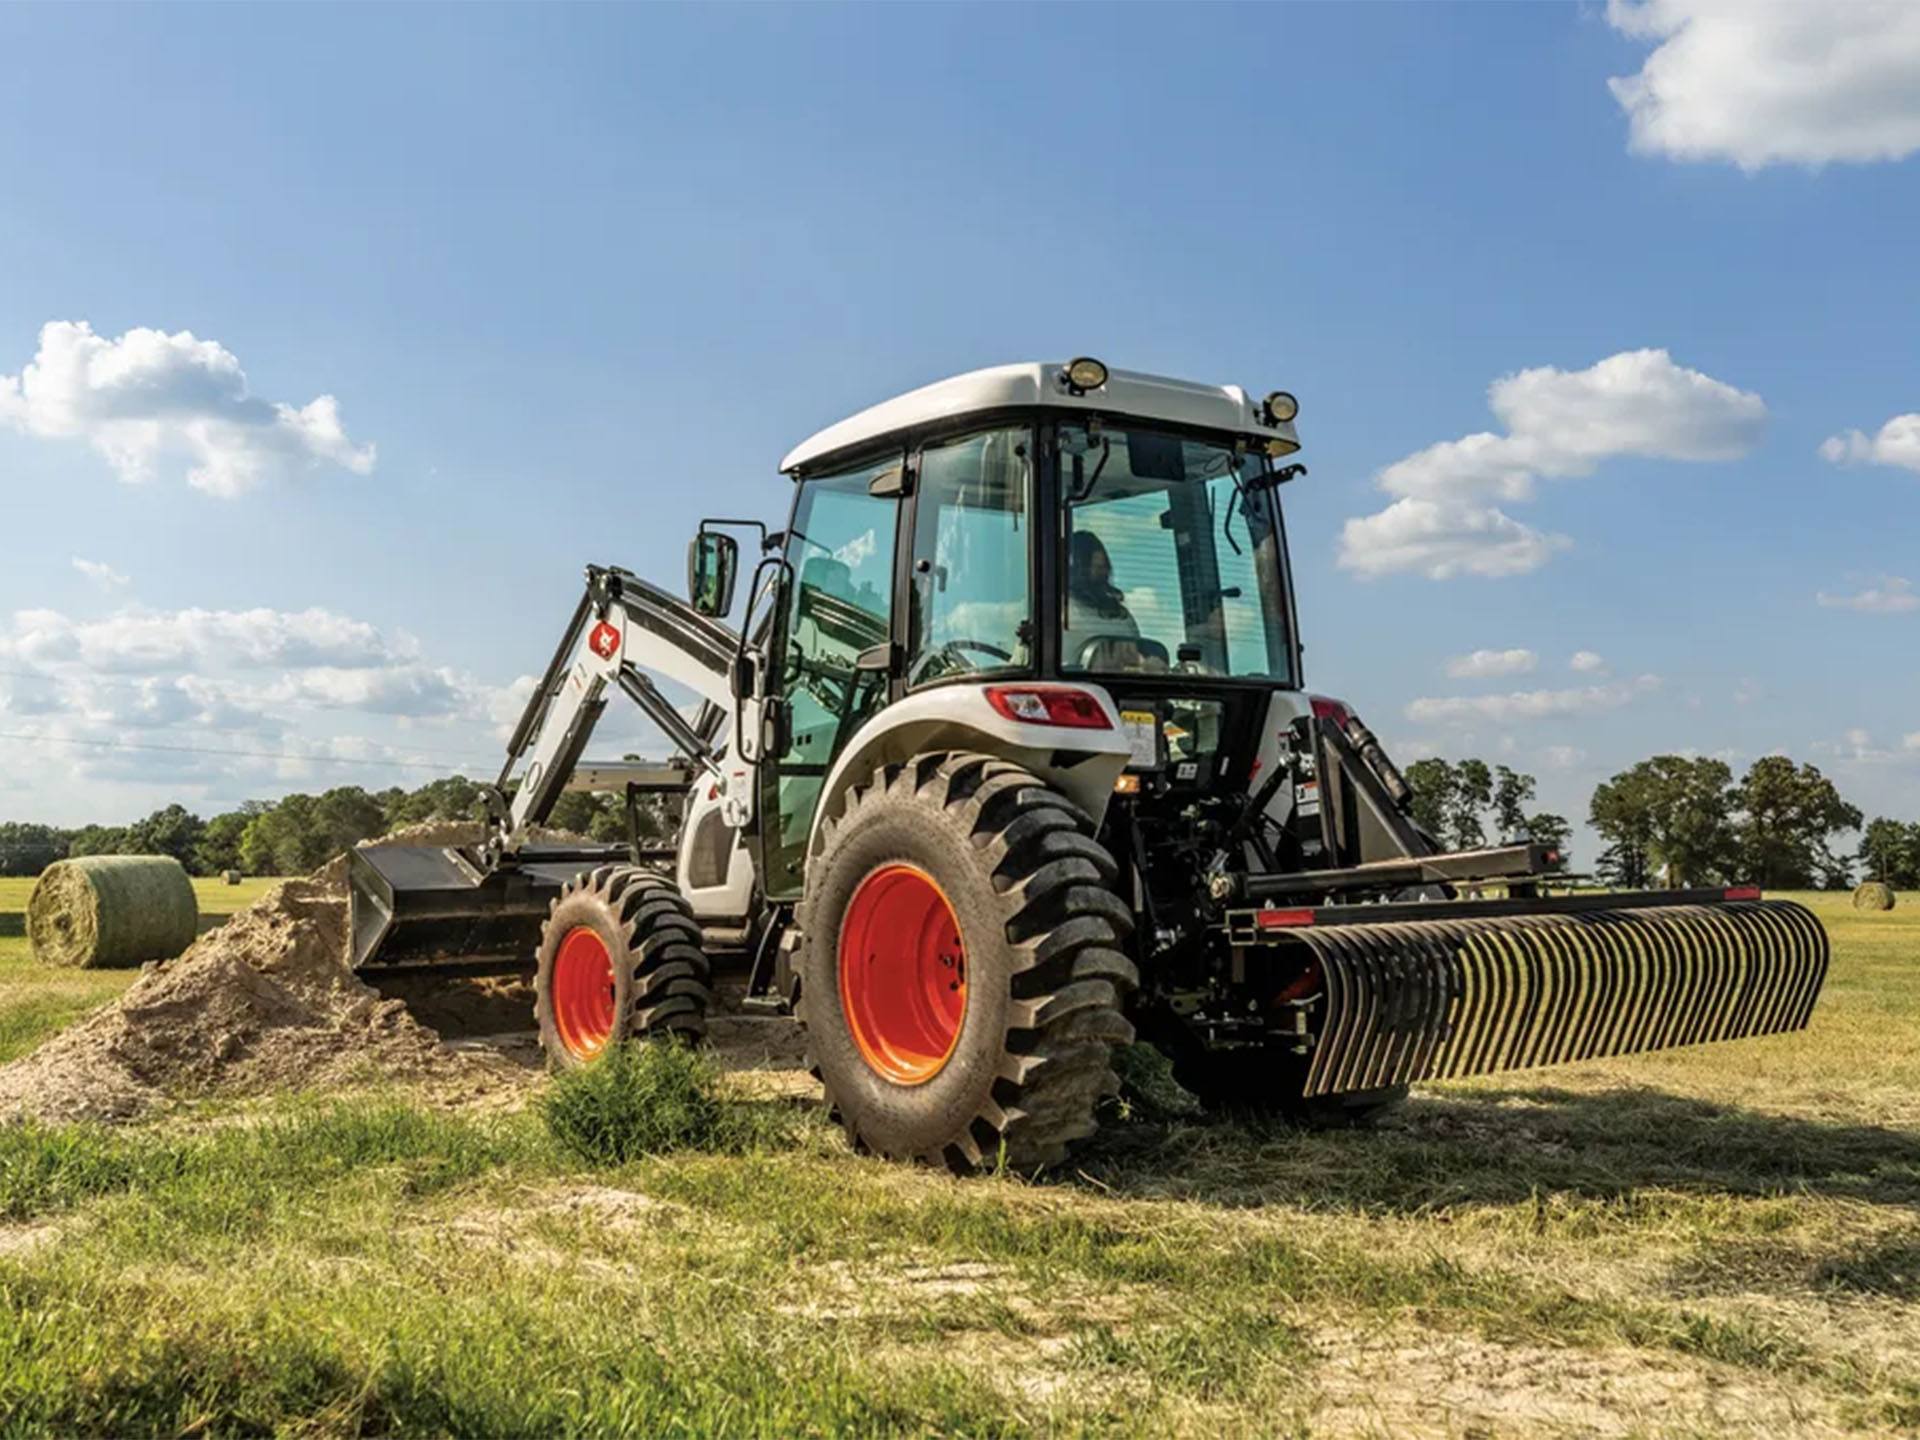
(1084, 374)
(1280, 407)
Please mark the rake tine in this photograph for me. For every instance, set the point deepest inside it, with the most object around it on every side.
(1442, 999)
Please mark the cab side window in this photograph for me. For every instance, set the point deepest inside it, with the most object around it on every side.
(971, 596)
(839, 605)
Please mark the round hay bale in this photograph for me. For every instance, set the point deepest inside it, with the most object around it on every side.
(112, 910)
(1873, 896)
(233, 877)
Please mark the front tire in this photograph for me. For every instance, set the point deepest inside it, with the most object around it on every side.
(962, 977)
(620, 959)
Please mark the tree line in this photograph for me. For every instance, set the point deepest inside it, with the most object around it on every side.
(1670, 820)
(1678, 820)
(1456, 801)
(297, 833)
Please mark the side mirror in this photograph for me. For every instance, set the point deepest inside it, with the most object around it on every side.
(713, 564)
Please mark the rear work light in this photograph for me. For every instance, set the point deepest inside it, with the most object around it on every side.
(1060, 705)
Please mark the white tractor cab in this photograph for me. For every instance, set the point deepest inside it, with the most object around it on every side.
(1011, 760)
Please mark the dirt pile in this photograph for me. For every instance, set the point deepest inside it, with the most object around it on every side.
(265, 1002)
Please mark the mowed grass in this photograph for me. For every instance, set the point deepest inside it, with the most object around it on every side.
(36, 1001)
(1710, 1242)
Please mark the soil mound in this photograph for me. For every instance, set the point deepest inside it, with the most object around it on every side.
(265, 1002)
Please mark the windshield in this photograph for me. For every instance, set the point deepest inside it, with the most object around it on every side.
(1173, 558)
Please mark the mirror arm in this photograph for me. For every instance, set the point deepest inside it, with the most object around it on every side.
(759, 525)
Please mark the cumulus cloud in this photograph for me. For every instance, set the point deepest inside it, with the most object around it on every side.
(1586, 662)
(1484, 663)
(408, 690)
(1523, 705)
(142, 640)
(1447, 520)
(1886, 595)
(149, 398)
(1896, 443)
(101, 573)
(1767, 84)
(231, 701)
(1442, 540)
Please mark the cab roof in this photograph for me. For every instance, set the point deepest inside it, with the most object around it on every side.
(1225, 408)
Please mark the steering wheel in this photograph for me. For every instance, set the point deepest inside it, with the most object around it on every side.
(953, 648)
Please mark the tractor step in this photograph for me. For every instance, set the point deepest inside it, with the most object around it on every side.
(1439, 999)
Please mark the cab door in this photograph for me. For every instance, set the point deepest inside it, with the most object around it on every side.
(838, 606)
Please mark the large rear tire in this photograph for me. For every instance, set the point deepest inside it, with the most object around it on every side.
(961, 972)
(620, 959)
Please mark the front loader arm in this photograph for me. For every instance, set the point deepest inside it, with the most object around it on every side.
(629, 628)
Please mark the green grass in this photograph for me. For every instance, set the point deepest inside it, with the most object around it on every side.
(1720, 1241)
(216, 897)
(650, 1100)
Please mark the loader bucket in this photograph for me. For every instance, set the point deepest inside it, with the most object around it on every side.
(429, 907)
(1437, 999)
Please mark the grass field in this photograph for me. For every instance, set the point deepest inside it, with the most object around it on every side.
(1721, 1241)
(36, 1001)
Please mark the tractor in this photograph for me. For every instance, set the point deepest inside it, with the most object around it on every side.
(1008, 762)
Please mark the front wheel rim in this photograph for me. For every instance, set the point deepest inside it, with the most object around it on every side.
(903, 974)
(583, 993)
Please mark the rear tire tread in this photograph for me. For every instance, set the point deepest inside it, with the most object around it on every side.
(1066, 927)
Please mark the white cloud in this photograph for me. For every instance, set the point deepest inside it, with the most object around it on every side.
(1441, 539)
(1897, 443)
(1484, 663)
(1522, 705)
(1857, 746)
(1564, 757)
(100, 573)
(1764, 84)
(408, 690)
(149, 397)
(136, 640)
(1560, 423)
(1886, 595)
(103, 718)
(1747, 691)
(1586, 662)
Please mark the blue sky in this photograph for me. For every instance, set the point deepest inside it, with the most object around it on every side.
(575, 277)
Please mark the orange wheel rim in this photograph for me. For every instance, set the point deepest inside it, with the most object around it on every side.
(583, 993)
(903, 974)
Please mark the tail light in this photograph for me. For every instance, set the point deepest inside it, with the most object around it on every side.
(1060, 705)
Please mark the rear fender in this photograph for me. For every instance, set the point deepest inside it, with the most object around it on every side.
(1081, 764)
